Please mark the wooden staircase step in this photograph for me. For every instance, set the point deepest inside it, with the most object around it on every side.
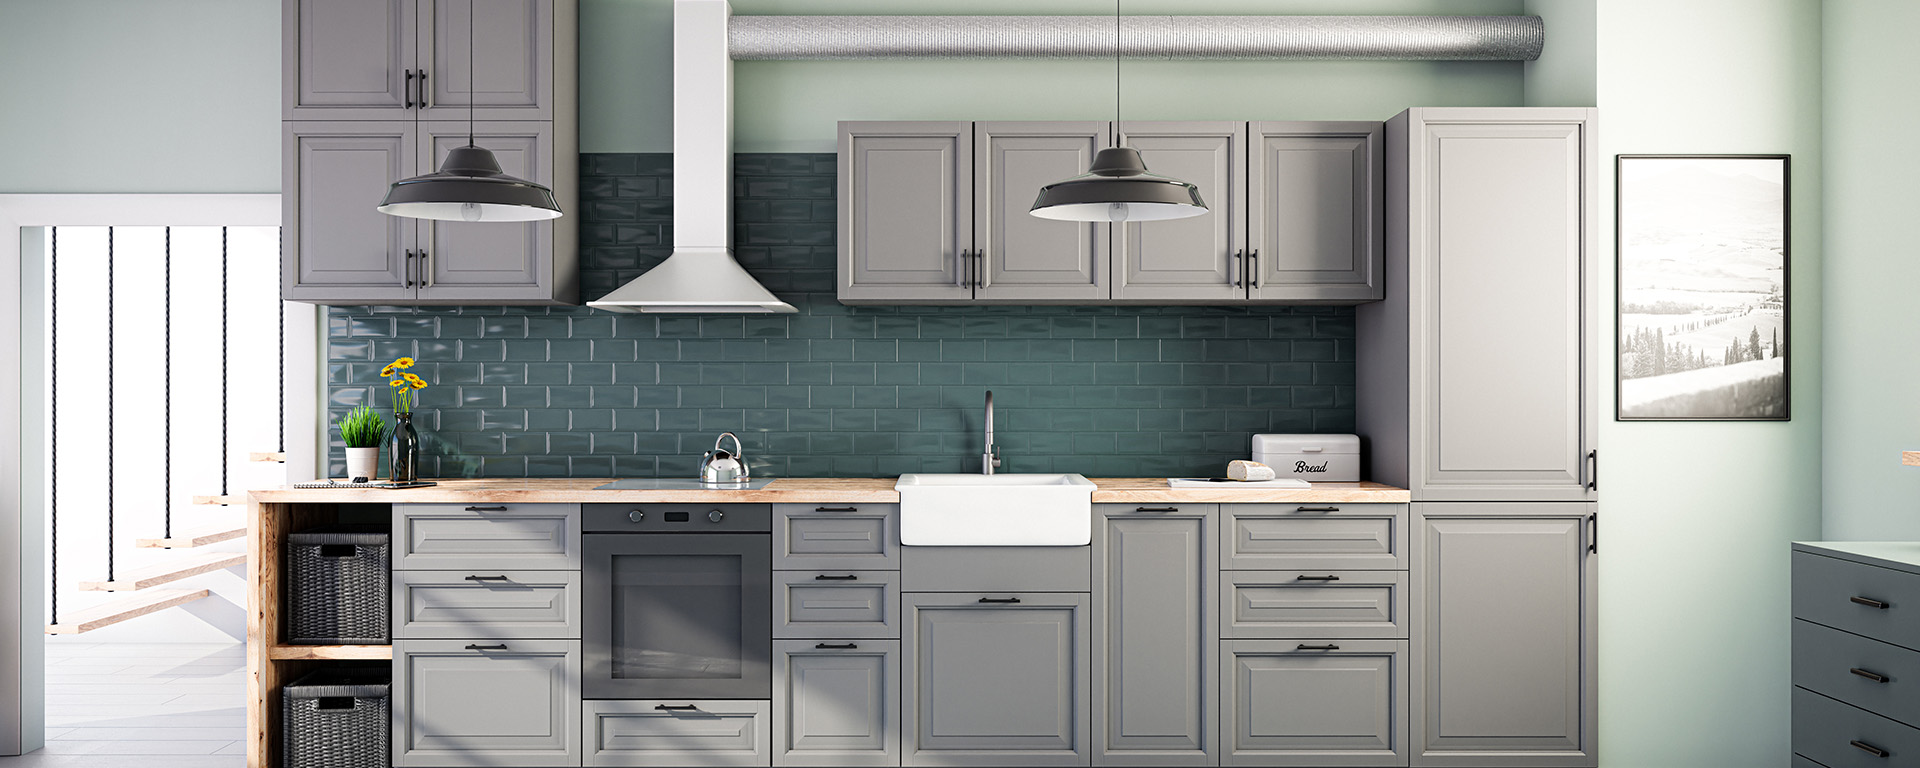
(118, 611)
(268, 456)
(224, 501)
(190, 539)
(172, 570)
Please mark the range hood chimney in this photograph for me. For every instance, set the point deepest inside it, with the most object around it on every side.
(701, 275)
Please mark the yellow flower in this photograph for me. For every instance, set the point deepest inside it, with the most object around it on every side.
(418, 384)
(387, 371)
(411, 379)
(405, 362)
(396, 383)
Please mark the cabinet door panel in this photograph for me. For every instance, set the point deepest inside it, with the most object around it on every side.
(1335, 703)
(513, 68)
(512, 705)
(347, 59)
(1193, 259)
(1154, 636)
(645, 732)
(1316, 217)
(906, 211)
(995, 683)
(341, 249)
(1025, 257)
(481, 260)
(836, 706)
(1503, 636)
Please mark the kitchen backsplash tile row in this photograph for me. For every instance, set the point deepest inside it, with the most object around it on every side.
(833, 390)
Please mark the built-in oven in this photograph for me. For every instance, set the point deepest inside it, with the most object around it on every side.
(677, 601)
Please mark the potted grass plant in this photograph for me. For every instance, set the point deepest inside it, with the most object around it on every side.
(363, 431)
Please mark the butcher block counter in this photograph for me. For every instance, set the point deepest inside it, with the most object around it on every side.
(861, 490)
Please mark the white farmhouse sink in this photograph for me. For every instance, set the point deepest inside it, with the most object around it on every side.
(995, 510)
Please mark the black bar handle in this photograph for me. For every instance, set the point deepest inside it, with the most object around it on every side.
(999, 599)
(1869, 748)
(409, 268)
(409, 89)
(486, 509)
(499, 647)
(836, 509)
(1253, 268)
(1593, 540)
(674, 707)
(1156, 509)
(1237, 268)
(1874, 676)
(1316, 509)
(1869, 602)
(848, 577)
(835, 646)
(1593, 470)
(1327, 647)
(1328, 577)
(423, 89)
(980, 269)
(488, 578)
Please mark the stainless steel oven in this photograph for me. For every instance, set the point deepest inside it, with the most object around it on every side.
(677, 601)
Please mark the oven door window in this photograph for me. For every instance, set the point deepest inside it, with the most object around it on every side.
(678, 616)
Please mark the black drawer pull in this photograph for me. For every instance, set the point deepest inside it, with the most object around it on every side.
(1316, 509)
(486, 509)
(674, 707)
(1874, 676)
(836, 509)
(1328, 577)
(999, 599)
(488, 578)
(1327, 647)
(1156, 509)
(1869, 602)
(500, 647)
(836, 646)
(1870, 749)
(848, 577)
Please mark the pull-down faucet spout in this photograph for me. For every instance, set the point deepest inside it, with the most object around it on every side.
(990, 456)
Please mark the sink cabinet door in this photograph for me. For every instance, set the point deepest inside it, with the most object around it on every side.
(999, 684)
(1155, 634)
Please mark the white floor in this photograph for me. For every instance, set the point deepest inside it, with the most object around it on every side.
(164, 705)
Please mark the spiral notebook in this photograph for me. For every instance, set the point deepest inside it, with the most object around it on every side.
(385, 486)
(1224, 484)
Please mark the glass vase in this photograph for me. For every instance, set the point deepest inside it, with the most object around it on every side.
(403, 454)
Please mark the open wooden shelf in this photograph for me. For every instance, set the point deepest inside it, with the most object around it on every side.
(330, 652)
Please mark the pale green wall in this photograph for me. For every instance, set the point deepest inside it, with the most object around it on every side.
(1873, 391)
(1564, 75)
(1696, 517)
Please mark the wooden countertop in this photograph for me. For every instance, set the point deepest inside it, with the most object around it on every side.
(804, 491)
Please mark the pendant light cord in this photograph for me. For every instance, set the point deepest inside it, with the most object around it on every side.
(1116, 72)
(473, 85)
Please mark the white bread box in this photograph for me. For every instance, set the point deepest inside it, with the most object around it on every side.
(1314, 458)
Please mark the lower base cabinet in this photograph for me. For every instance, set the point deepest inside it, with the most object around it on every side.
(638, 732)
(1313, 702)
(836, 703)
(465, 703)
(995, 679)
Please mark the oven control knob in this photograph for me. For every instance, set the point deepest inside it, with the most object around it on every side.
(636, 515)
(716, 515)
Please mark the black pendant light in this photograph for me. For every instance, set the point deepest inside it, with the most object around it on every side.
(469, 185)
(1118, 187)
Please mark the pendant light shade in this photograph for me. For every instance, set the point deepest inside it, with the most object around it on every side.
(470, 187)
(1118, 188)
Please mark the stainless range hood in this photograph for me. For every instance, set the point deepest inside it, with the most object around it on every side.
(701, 275)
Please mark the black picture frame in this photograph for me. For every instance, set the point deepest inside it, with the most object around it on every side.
(1729, 220)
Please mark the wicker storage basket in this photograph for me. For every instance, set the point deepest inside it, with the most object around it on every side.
(337, 581)
(336, 718)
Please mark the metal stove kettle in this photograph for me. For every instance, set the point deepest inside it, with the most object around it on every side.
(718, 467)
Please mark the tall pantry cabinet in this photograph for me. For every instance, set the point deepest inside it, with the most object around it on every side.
(1479, 393)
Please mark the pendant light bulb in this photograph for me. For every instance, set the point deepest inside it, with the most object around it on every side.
(1117, 212)
(469, 211)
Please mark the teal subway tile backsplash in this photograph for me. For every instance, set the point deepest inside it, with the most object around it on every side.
(833, 390)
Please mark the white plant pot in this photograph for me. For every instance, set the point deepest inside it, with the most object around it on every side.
(363, 462)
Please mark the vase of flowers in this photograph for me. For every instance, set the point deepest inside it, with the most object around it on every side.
(363, 430)
(403, 451)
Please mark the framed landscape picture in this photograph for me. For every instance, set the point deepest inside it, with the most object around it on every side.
(1702, 291)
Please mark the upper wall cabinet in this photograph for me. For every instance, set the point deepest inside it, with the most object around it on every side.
(407, 59)
(1295, 214)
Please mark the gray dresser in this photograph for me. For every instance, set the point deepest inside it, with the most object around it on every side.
(1856, 654)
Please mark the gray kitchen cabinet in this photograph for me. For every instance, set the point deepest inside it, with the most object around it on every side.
(648, 732)
(334, 174)
(347, 60)
(1315, 703)
(1503, 635)
(906, 211)
(1313, 604)
(837, 604)
(1193, 260)
(477, 262)
(1315, 212)
(1019, 257)
(514, 74)
(1313, 536)
(836, 703)
(461, 703)
(990, 681)
(495, 604)
(482, 538)
(1155, 633)
(1482, 371)
(852, 537)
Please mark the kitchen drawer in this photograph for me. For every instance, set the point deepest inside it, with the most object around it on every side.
(1843, 595)
(861, 537)
(1839, 736)
(1352, 604)
(678, 732)
(512, 604)
(1337, 703)
(464, 703)
(831, 604)
(1887, 680)
(1291, 537)
(486, 536)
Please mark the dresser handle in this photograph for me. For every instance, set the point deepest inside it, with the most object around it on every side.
(1327, 647)
(1869, 749)
(486, 509)
(1156, 509)
(500, 647)
(1874, 676)
(1316, 509)
(487, 578)
(848, 577)
(999, 599)
(1869, 602)
(673, 707)
(836, 509)
(1317, 578)
(836, 646)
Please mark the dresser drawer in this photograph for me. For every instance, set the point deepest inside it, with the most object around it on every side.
(1839, 736)
(1880, 603)
(486, 536)
(1313, 604)
(1872, 675)
(836, 604)
(861, 537)
(1801, 761)
(1290, 537)
(678, 732)
(500, 604)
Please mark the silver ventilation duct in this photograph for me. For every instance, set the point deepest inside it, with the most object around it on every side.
(1324, 38)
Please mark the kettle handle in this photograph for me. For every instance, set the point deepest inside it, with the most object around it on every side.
(739, 452)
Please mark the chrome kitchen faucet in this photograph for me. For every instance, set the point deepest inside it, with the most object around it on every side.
(990, 458)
